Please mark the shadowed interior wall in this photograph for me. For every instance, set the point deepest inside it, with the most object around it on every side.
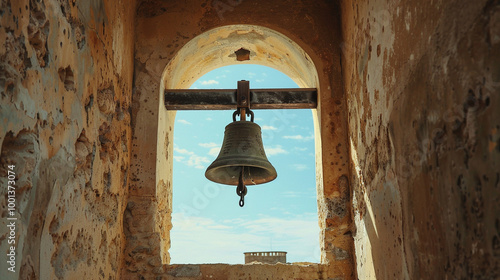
(422, 80)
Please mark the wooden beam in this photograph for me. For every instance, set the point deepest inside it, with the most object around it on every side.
(225, 99)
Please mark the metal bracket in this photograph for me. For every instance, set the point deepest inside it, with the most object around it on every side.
(243, 99)
(243, 95)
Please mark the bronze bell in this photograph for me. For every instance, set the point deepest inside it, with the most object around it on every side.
(242, 159)
(241, 147)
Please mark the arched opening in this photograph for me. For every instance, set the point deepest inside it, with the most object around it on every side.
(208, 225)
(213, 49)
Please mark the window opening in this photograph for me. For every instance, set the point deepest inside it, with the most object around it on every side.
(208, 224)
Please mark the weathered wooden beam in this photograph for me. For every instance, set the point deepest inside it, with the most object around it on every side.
(292, 98)
(225, 99)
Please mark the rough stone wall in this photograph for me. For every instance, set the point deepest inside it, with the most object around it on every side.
(423, 83)
(249, 271)
(162, 29)
(65, 82)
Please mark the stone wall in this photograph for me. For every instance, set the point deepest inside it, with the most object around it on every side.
(409, 93)
(65, 82)
(423, 83)
(165, 30)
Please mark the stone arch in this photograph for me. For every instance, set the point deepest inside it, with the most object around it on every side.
(213, 49)
(168, 55)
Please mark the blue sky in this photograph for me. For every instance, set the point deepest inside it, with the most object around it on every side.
(208, 224)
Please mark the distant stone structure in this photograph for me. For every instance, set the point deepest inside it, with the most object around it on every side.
(270, 257)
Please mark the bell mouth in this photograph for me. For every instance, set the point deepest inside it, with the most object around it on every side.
(228, 173)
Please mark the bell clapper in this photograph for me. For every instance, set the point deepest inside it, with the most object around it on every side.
(241, 190)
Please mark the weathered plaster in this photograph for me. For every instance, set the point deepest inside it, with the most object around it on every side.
(407, 131)
(65, 81)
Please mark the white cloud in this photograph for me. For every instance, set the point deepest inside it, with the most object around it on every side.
(214, 151)
(205, 240)
(299, 137)
(182, 151)
(291, 194)
(214, 148)
(281, 226)
(179, 158)
(251, 74)
(268, 127)
(299, 167)
(197, 161)
(193, 160)
(183, 122)
(295, 137)
(259, 80)
(208, 119)
(276, 150)
(208, 145)
(209, 82)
